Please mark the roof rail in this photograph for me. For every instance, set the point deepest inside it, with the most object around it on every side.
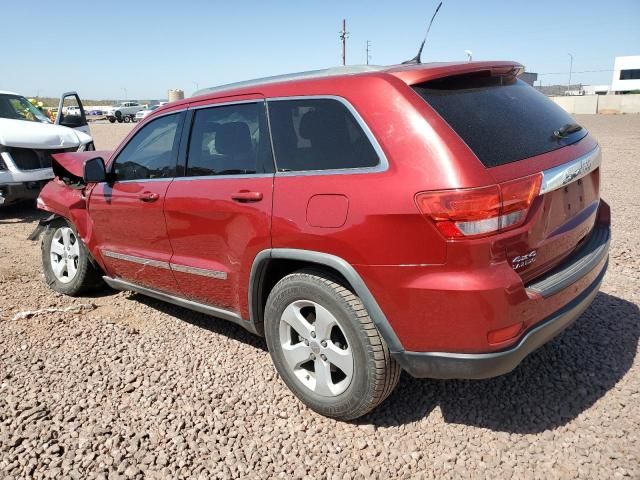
(327, 72)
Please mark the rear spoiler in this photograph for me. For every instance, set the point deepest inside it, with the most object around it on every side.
(415, 74)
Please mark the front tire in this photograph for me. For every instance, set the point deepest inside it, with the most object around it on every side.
(325, 346)
(66, 261)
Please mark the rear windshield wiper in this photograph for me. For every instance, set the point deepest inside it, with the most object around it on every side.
(568, 129)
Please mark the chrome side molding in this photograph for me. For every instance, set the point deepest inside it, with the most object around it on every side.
(558, 177)
(166, 265)
(140, 260)
(199, 271)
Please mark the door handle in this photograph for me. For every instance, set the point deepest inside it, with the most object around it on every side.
(246, 196)
(149, 196)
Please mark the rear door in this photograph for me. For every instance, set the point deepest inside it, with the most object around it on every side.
(219, 213)
(127, 212)
(515, 131)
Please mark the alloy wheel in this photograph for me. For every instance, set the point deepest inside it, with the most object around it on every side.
(315, 348)
(65, 254)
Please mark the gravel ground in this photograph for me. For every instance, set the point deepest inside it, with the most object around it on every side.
(121, 386)
(108, 136)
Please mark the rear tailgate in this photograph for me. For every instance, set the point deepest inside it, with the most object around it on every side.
(515, 131)
(562, 216)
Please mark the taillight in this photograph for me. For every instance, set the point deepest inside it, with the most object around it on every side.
(477, 212)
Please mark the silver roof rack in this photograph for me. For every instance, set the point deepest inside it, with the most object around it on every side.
(327, 72)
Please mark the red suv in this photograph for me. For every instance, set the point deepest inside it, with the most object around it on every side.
(443, 219)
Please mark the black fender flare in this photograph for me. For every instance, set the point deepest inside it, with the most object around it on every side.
(334, 262)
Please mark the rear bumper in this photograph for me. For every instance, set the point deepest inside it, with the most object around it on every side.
(445, 365)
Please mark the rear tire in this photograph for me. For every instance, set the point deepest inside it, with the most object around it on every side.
(66, 261)
(325, 346)
(112, 120)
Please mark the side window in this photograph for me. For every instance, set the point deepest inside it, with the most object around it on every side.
(229, 140)
(318, 134)
(151, 152)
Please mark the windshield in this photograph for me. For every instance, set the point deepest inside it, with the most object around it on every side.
(16, 107)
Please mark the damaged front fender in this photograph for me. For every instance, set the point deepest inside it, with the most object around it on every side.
(41, 227)
(69, 167)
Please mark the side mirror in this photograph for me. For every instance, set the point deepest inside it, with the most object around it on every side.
(94, 171)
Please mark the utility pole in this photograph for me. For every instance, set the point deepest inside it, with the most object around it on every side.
(570, 71)
(368, 50)
(343, 36)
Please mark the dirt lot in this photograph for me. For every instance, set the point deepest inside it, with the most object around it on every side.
(121, 386)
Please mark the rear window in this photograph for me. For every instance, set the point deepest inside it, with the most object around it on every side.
(501, 119)
(318, 134)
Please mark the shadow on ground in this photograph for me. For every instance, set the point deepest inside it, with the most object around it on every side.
(212, 324)
(23, 212)
(551, 386)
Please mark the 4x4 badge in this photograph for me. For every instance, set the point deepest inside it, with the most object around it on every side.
(522, 261)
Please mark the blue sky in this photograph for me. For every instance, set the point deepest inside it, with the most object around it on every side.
(146, 47)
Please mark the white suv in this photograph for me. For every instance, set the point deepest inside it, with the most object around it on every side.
(123, 112)
(28, 138)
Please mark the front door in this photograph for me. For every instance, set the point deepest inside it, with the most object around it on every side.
(128, 221)
(219, 214)
(71, 113)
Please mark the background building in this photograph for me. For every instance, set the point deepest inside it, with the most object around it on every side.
(626, 74)
(596, 89)
(529, 77)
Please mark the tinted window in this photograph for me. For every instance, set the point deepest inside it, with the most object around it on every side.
(318, 134)
(230, 140)
(500, 118)
(16, 107)
(151, 152)
(630, 74)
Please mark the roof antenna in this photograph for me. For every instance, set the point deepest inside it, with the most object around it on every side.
(416, 60)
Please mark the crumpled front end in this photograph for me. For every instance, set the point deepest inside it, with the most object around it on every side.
(24, 171)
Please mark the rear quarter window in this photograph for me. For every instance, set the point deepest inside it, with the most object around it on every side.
(318, 134)
(501, 119)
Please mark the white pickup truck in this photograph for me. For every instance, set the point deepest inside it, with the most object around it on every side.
(123, 112)
(28, 139)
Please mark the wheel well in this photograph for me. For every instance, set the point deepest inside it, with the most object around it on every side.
(271, 272)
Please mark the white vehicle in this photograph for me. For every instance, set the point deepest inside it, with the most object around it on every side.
(28, 138)
(123, 112)
(72, 111)
(144, 113)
